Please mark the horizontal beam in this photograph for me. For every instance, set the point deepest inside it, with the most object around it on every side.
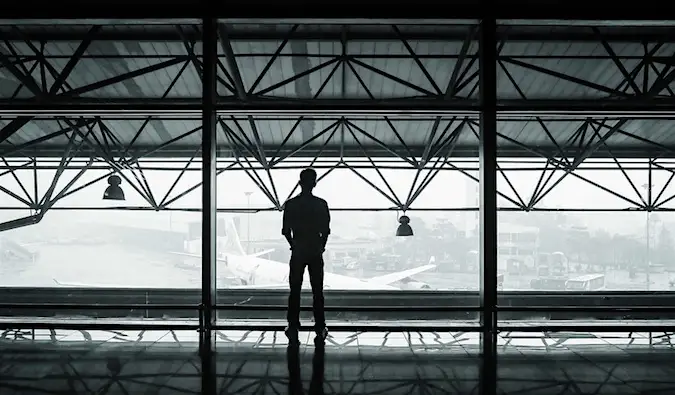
(356, 151)
(363, 326)
(167, 295)
(94, 324)
(423, 107)
(371, 308)
(422, 325)
(577, 327)
(234, 210)
(628, 108)
(169, 34)
(522, 326)
(183, 108)
(256, 11)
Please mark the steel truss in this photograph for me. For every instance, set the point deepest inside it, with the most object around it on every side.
(302, 67)
(95, 152)
(256, 12)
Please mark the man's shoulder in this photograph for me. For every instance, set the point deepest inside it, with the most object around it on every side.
(293, 200)
(320, 200)
(302, 200)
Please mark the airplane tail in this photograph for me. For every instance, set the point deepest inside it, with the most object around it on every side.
(232, 243)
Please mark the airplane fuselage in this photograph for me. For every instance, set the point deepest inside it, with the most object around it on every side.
(255, 272)
(264, 272)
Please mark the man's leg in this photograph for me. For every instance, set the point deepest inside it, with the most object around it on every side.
(315, 268)
(297, 269)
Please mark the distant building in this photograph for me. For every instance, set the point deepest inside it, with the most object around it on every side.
(517, 247)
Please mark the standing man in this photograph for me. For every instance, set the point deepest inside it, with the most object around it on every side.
(306, 227)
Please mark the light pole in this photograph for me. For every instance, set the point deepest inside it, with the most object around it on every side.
(648, 187)
(649, 242)
(248, 221)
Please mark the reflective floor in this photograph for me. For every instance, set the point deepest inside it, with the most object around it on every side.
(252, 362)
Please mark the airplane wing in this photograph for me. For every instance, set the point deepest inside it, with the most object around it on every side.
(90, 285)
(37, 243)
(254, 255)
(261, 253)
(256, 286)
(79, 285)
(393, 277)
(192, 255)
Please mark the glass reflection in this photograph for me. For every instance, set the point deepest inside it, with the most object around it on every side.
(295, 385)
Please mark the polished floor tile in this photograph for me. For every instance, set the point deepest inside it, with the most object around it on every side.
(259, 362)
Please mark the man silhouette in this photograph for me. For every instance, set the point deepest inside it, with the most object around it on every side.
(306, 226)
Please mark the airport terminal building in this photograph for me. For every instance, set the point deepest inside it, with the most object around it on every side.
(499, 179)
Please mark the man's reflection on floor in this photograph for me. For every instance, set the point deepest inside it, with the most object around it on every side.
(294, 375)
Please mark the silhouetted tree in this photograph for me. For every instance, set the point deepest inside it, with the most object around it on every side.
(419, 226)
(629, 252)
(577, 244)
(600, 248)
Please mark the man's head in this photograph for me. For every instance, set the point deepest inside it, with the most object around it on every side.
(307, 179)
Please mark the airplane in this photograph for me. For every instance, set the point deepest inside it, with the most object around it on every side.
(254, 272)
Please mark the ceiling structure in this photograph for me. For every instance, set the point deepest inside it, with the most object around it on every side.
(122, 91)
(335, 90)
(115, 93)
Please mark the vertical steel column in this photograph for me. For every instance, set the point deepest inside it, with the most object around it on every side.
(207, 346)
(650, 204)
(488, 204)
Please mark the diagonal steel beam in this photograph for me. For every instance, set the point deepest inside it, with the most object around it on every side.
(541, 122)
(231, 61)
(124, 77)
(432, 138)
(381, 144)
(285, 140)
(322, 65)
(393, 77)
(610, 51)
(330, 129)
(18, 181)
(466, 45)
(450, 143)
(27, 80)
(563, 76)
(7, 131)
(394, 197)
(411, 158)
(81, 49)
(273, 58)
(12, 127)
(417, 60)
(599, 143)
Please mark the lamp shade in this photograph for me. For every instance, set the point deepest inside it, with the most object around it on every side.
(404, 228)
(114, 191)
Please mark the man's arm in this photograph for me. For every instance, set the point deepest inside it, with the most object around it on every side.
(286, 227)
(325, 226)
